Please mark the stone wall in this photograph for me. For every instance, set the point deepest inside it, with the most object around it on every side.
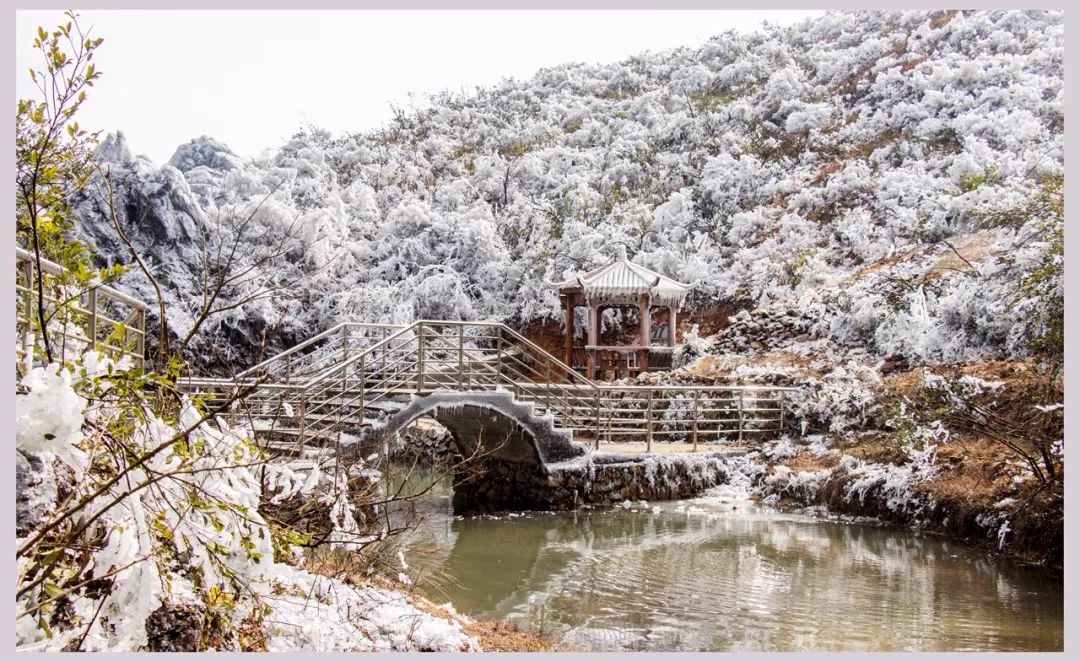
(599, 479)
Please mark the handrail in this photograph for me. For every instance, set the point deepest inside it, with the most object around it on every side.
(547, 355)
(310, 341)
(356, 357)
(55, 269)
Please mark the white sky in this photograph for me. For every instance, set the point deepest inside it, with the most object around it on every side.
(253, 78)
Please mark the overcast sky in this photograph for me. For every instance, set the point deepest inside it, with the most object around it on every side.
(253, 78)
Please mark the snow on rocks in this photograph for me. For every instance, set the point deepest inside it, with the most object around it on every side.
(765, 329)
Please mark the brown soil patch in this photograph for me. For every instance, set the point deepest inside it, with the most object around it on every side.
(885, 262)
(1021, 382)
(874, 447)
(719, 367)
(711, 319)
(496, 636)
(809, 462)
(943, 18)
(975, 470)
(970, 249)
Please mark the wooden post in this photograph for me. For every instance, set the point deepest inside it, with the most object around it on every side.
(671, 326)
(591, 334)
(568, 321)
(645, 314)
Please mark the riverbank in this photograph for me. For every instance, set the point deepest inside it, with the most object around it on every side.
(965, 490)
(972, 451)
(968, 488)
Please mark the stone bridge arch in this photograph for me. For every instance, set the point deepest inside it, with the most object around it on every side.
(491, 425)
(511, 447)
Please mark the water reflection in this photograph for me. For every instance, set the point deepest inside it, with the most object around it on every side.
(711, 578)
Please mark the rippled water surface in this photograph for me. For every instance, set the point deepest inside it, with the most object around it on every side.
(702, 575)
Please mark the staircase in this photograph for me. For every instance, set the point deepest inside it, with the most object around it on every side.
(354, 375)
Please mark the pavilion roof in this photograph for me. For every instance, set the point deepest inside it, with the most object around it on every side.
(622, 280)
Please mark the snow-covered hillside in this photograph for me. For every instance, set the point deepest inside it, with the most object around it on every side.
(872, 173)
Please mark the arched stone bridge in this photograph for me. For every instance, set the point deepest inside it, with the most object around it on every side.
(528, 415)
(488, 425)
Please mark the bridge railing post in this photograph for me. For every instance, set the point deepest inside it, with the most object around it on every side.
(597, 396)
(302, 424)
(780, 404)
(28, 335)
(420, 358)
(547, 387)
(649, 422)
(740, 415)
(140, 341)
(461, 357)
(697, 408)
(363, 384)
(498, 356)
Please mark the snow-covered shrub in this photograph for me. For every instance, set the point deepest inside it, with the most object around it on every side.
(692, 347)
(987, 408)
(843, 399)
(164, 514)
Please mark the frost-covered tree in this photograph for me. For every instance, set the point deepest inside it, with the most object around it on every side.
(817, 161)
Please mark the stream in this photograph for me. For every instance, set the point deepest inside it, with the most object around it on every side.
(719, 573)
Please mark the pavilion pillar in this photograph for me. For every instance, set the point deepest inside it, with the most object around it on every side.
(592, 334)
(568, 320)
(671, 326)
(645, 315)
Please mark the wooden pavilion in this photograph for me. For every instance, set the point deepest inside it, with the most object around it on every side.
(621, 284)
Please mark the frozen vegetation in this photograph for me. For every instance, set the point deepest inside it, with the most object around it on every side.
(825, 168)
(192, 541)
(865, 187)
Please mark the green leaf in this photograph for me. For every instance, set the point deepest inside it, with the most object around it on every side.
(53, 590)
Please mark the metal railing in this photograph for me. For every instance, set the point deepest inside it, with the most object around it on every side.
(349, 385)
(77, 318)
(334, 344)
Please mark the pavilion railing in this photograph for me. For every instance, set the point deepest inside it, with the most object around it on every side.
(76, 318)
